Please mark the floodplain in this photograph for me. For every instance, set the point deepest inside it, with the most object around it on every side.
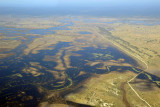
(79, 61)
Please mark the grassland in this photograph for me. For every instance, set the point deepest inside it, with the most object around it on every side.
(148, 91)
(106, 90)
(30, 22)
(45, 41)
(140, 41)
(8, 45)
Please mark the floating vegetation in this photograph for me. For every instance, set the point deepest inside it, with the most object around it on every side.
(102, 56)
(69, 85)
(150, 77)
(136, 70)
(32, 71)
(108, 68)
(16, 75)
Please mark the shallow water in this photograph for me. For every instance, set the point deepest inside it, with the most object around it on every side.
(136, 22)
(84, 32)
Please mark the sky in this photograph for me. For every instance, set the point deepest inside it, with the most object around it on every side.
(81, 3)
(92, 7)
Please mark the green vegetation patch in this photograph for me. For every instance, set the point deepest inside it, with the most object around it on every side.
(102, 56)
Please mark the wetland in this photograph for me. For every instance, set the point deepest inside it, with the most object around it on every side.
(71, 61)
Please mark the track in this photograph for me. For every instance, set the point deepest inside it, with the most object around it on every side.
(139, 58)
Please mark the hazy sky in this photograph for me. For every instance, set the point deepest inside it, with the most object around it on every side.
(85, 7)
(55, 3)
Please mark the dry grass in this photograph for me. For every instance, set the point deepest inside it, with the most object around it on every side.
(148, 91)
(144, 41)
(105, 90)
(29, 22)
